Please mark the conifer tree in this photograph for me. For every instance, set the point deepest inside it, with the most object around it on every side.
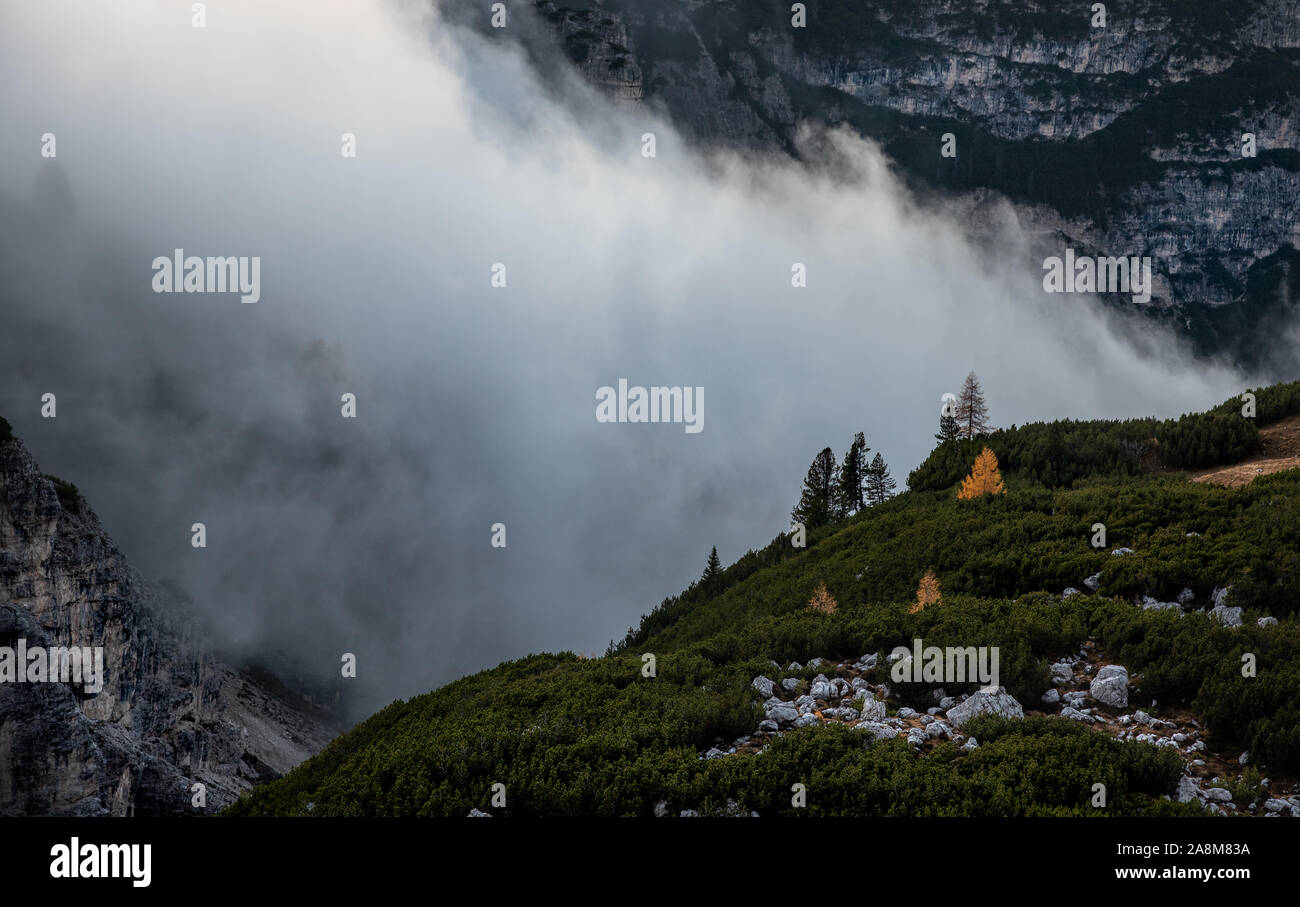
(822, 600)
(712, 570)
(949, 430)
(972, 411)
(984, 478)
(880, 484)
(853, 477)
(927, 593)
(817, 503)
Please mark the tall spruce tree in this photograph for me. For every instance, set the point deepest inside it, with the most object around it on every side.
(949, 430)
(972, 412)
(880, 484)
(712, 570)
(853, 477)
(817, 503)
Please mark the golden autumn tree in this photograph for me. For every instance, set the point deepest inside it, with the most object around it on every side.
(822, 600)
(984, 477)
(927, 593)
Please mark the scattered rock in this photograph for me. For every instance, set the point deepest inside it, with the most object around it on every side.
(872, 710)
(1122, 551)
(1000, 703)
(1070, 590)
(1093, 582)
(877, 730)
(1229, 617)
(476, 813)
(1110, 686)
(764, 686)
(1051, 697)
(783, 714)
(1266, 621)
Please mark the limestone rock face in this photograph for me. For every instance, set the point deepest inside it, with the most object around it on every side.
(169, 714)
(597, 43)
(1043, 81)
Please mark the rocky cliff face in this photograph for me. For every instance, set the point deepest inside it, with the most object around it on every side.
(169, 714)
(1116, 139)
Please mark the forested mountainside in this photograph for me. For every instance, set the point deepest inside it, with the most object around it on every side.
(1162, 664)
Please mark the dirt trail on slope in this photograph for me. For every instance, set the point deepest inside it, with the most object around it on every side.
(1280, 450)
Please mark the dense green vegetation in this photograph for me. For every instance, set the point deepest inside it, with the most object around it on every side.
(1063, 452)
(572, 736)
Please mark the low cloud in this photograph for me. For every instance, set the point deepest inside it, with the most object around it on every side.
(475, 404)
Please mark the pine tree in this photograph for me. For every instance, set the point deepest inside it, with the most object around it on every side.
(984, 477)
(817, 503)
(853, 477)
(712, 570)
(927, 593)
(880, 485)
(949, 430)
(972, 411)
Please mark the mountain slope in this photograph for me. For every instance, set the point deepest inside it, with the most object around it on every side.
(732, 716)
(1120, 140)
(170, 713)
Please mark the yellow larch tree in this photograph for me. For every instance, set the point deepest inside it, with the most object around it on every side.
(822, 600)
(984, 477)
(927, 593)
